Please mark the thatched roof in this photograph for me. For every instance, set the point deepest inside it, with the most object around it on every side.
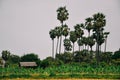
(28, 64)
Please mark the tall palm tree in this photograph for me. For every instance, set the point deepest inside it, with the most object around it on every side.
(80, 43)
(99, 22)
(58, 34)
(73, 38)
(79, 32)
(52, 34)
(85, 41)
(106, 36)
(62, 15)
(89, 26)
(65, 32)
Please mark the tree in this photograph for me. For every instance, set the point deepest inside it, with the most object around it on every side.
(65, 32)
(106, 36)
(29, 57)
(5, 55)
(73, 38)
(99, 22)
(84, 41)
(14, 58)
(88, 26)
(67, 45)
(91, 42)
(79, 32)
(116, 55)
(80, 43)
(62, 15)
(52, 36)
(58, 34)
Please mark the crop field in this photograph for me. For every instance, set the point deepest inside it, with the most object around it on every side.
(73, 72)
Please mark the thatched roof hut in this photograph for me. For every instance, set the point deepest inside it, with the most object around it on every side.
(28, 64)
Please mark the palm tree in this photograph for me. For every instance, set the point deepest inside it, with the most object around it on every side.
(79, 32)
(89, 26)
(106, 36)
(80, 43)
(58, 34)
(52, 36)
(62, 15)
(91, 42)
(73, 38)
(65, 32)
(85, 41)
(99, 22)
(67, 45)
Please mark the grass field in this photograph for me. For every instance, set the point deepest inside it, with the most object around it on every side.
(64, 72)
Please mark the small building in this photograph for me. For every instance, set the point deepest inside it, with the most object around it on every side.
(28, 64)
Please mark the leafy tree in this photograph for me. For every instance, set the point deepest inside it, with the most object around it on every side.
(29, 58)
(67, 45)
(62, 15)
(14, 58)
(5, 55)
(47, 62)
(52, 36)
(73, 38)
(66, 57)
(106, 57)
(116, 55)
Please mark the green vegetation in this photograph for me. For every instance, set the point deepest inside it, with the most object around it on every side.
(64, 71)
(83, 63)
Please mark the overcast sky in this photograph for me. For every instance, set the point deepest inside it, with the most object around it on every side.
(25, 24)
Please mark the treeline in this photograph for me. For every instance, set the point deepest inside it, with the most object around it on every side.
(83, 57)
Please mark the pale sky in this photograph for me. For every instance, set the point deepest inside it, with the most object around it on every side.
(25, 24)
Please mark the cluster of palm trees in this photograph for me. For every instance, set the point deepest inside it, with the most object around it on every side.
(94, 25)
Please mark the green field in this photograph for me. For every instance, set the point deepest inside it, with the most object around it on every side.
(62, 72)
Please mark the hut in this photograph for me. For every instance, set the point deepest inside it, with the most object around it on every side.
(28, 64)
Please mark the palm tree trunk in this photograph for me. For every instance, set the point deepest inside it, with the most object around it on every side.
(91, 49)
(60, 40)
(79, 48)
(57, 45)
(73, 49)
(64, 46)
(88, 36)
(105, 44)
(53, 48)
